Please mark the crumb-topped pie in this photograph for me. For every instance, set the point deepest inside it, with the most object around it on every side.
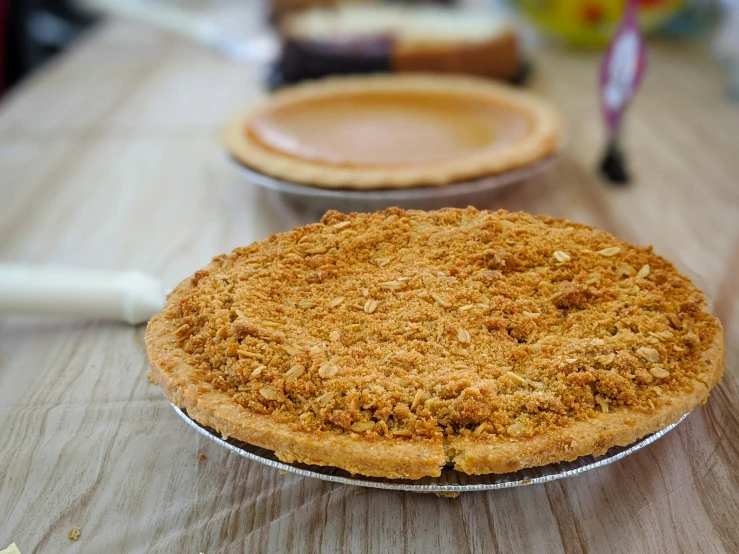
(394, 343)
(399, 131)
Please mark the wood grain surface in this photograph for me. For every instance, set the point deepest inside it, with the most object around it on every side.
(109, 159)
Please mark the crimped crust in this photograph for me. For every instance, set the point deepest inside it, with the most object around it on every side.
(533, 340)
(213, 408)
(593, 436)
(541, 140)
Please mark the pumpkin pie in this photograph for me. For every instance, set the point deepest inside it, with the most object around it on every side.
(395, 343)
(371, 132)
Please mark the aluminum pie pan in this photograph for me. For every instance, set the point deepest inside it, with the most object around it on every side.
(449, 482)
(476, 192)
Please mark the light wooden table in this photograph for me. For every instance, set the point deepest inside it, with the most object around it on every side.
(109, 159)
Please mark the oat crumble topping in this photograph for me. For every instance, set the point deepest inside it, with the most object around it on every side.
(413, 324)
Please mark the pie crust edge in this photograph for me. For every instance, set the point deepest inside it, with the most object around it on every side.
(593, 436)
(399, 460)
(542, 141)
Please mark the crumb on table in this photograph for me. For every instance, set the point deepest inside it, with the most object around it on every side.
(202, 456)
(74, 534)
(150, 376)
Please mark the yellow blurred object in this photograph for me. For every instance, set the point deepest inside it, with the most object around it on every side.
(12, 549)
(592, 22)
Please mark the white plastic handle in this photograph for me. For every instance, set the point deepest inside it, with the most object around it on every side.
(130, 296)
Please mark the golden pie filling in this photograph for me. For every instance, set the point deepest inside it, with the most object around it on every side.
(494, 340)
(384, 132)
(380, 129)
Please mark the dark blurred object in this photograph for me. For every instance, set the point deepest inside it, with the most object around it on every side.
(692, 21)
(613, 167)
(367, 39)
(274, 78)
(311, 59)
(4, 29)
(34, 31)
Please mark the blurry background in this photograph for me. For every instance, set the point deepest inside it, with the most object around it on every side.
(33, 31)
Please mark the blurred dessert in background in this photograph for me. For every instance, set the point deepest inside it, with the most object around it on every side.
(393, 131)
(382, 38)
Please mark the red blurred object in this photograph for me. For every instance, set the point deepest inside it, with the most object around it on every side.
(593, 13)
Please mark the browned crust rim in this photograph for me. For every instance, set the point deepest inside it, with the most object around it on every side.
(590, 437)
(543, 139)
(396, 458)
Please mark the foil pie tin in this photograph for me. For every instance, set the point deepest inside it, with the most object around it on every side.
(476, 192)
(449, 482)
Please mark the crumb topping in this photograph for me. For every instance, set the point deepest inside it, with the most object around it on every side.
(418, 325)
